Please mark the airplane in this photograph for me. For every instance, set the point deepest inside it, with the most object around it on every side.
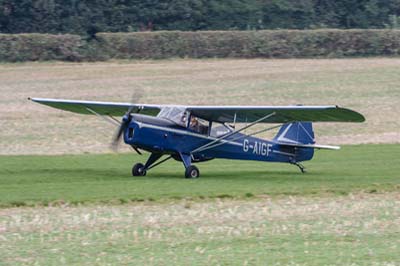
(193, 134)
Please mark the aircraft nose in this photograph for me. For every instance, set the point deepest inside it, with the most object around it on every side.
(125, 118)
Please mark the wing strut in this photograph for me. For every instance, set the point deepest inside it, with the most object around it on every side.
(107, 119)
(211, 144)
(252, 134)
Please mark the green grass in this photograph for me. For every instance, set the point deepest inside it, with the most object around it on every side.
(31, 180)
(359, 229)
(325, 221)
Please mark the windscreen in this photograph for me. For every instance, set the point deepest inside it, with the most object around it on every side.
(174, 114)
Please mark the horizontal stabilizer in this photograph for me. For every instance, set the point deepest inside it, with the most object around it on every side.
(313, 146)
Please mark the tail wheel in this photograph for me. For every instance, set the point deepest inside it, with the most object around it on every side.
(138, 170)
(192, 172)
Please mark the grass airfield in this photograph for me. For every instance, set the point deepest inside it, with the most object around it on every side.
(88, 210)
(82, 179)
(368, 85)
(358, 229)
(65, 200)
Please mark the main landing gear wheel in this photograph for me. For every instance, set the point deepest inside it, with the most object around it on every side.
(192, 172)
(138, 170)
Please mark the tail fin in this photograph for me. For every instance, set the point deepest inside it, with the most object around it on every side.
(296, 133)
(299, 138)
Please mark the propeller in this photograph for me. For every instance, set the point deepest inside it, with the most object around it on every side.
(126, 119)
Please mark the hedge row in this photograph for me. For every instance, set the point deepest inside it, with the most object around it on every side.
(205, 44)
(40, 47)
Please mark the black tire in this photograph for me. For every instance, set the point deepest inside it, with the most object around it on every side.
(192, 172)
(138, 170)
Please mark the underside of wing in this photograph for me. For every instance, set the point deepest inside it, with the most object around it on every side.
(222, 114)
(101, 108)
(275, 114)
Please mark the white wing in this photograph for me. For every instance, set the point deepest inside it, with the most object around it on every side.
(102, 108)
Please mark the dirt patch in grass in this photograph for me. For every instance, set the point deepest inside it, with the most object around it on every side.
(366, 85)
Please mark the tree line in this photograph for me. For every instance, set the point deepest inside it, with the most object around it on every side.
(91, 16)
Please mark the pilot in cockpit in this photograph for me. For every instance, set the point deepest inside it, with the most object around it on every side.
(194, 123)
(197, 126)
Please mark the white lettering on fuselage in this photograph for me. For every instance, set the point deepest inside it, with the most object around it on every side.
(258, 148)
(245, 145)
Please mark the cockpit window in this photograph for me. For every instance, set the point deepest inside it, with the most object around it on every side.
(198, 125)
(218, 130)
(178, 115)
(174, 114)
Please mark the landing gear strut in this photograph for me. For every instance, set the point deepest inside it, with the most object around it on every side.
(191, 171)
(300, 166)
(140, 169)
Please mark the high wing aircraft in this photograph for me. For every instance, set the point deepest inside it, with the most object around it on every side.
(192, 134)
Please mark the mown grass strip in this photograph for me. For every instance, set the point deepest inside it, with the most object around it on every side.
(75, 179)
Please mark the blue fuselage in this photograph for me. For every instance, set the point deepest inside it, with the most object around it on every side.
(158, 136)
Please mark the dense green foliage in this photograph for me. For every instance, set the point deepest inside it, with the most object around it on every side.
(93, 178)
(201, 44)
(88, 16)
